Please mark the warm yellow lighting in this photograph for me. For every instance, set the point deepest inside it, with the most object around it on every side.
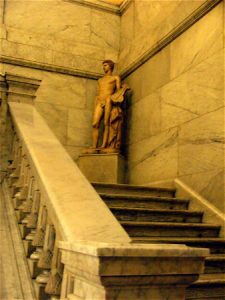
(115, 2)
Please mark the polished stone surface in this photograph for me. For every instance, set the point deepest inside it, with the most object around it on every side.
(187, 102)
(194, 93)
(201, 41)
(15, 281)
(74, 36)
(65, 188)
(103, 168)
(154, 158)
(149, 22)
(126, 271)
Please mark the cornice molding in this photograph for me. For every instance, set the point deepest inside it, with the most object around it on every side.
(171, 36)
(176, 32)
(109, 8)
(48, 67)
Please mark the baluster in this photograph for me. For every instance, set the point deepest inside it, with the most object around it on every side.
(53, 286)
(22, 194)
(18, 184)
(31, 223)
(14, 175)
(45, 262)
(38, 241)
(25, 206)
(15, 146)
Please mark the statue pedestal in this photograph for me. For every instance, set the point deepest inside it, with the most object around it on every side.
(104, 168)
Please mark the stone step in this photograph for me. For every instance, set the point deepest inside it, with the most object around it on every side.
(215, 264)
(169, 229)
(208, 287)
(149, 202)
(216, 245)
(130, 189)
(154, 215)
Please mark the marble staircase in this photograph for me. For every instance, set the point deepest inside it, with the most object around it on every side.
(156, 215)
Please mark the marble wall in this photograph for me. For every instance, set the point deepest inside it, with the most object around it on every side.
(66, 103)
(68, 34)
(145, 23)
(176, 119)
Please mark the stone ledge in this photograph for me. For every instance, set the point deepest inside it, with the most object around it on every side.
(126, 249)
(120, 271)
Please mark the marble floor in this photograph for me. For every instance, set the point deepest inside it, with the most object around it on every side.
(15, 282)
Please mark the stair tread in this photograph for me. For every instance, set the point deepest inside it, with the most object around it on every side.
(168, 224)
(132, 186)
(141, 197)
(216, 257)
(179, 239)
(174, 211)
(217, 278)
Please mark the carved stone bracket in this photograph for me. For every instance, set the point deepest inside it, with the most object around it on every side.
(21, 89)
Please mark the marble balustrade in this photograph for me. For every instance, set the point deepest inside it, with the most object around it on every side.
(73, 253)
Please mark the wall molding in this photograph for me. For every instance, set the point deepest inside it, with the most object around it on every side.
(171, 36)
(103, 6)
(109, 8)
(202, 204)
(47, 67)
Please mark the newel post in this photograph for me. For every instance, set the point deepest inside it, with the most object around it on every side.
(100, 271)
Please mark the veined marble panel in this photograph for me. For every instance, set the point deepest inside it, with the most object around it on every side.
(196, 92)
(201, 143)
(144, 118)
(91, 91)
(29, 52)
(64, 19)
(48, 41)
(155, 72)
(79, 118)
(153, 21)
(210, 184)
(79, 137)
(201, 41)
(62, 90)
(154, 159)
(105, 29)
(134, 81)
(127, 27)
(56, 117)
(150, 14)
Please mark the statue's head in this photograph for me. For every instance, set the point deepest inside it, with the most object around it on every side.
(110, 63)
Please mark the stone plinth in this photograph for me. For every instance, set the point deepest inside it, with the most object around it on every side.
(100, 271)
(107, 168)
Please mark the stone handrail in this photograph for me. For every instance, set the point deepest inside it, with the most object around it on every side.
(70, 236)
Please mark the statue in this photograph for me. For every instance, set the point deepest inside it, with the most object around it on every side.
(108, 106)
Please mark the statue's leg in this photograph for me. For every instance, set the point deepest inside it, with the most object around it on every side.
(95, 124)
(108, 107)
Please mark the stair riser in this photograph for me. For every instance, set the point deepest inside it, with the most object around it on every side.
(147, 231)
(150, 204)
(153, 217)
(205, 293)
(214, 249)
(214, 267)
(136, 192)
